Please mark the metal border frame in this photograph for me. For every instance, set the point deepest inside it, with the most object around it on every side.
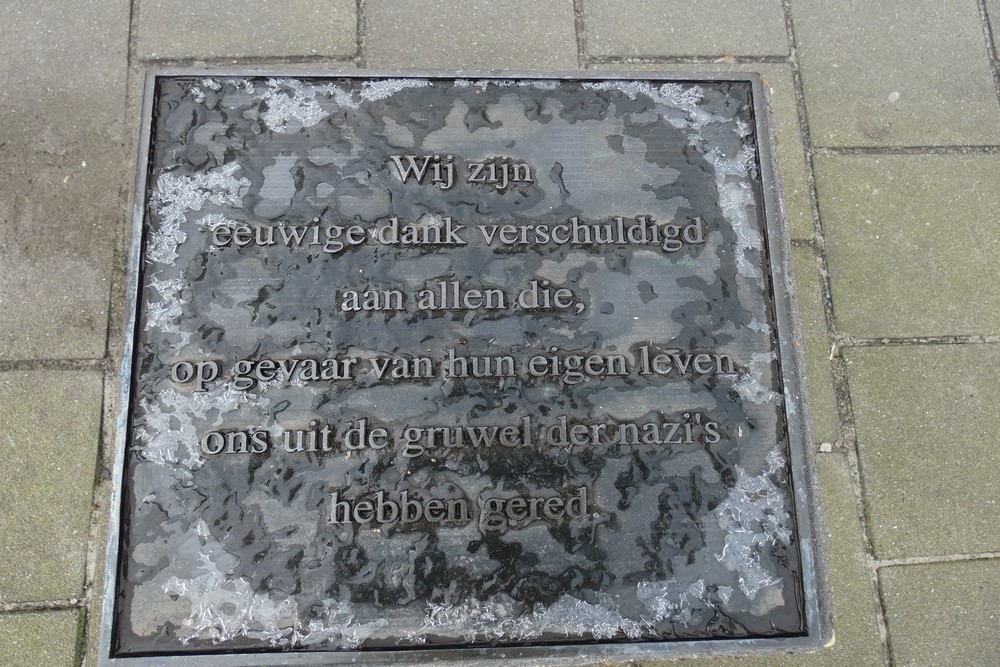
(808, 526)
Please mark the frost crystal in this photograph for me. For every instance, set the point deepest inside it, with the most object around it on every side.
(496, 619)
(163, 315)
(291, 106)
(224, 608)
(166, 431)
(755, 519)
(736, 200)
(669, 601)
(175, 195)
(749, 386)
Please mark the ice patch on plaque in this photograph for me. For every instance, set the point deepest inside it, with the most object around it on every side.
(754, 384)
(678, 603)
(502, 618)
(755, 519)
(176, 194)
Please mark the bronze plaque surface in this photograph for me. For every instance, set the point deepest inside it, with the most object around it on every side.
(425, 366)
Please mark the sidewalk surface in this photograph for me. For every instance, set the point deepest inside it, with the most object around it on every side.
(888, 123)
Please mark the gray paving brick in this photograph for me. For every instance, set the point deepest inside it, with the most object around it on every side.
(63, 76)
(884, 73)
(62, 165)
(927, 423)
(943, 613)
(58, 227)
(791, 158)
(39, 638)
(856, 638)
(909, 243)
(49, 450)
(179, 29)
(473, 34)
(636, 28)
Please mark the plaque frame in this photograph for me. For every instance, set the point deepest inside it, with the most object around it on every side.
(804, 481)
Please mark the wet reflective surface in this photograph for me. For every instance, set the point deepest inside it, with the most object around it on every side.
(532, 396)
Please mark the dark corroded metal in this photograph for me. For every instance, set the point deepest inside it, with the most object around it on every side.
(458, 366)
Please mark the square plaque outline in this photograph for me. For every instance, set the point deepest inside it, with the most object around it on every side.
(804, 478)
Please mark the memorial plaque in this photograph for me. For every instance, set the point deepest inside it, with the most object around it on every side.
(456, 367)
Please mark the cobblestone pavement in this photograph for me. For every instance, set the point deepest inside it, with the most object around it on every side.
(888, 130)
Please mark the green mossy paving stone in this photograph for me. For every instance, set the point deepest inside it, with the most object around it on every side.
(911, 243)
(927, 427)
(637, 28)
(785, 128)
(180, 29)
(943, 613)
(447, 34)
(884, 73)
(39, 638)
(49, 450)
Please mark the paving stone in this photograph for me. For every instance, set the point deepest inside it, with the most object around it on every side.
(637, 28)
(785, 126)
(473, 34)
(63, 76)
(58, 225)
(927, 423)
(175, 29)
(62, 165)
(816, 344)
(909, 242)
(39, 638)
(943, 613)
(885, 73)
(49, 449)
(855, 626)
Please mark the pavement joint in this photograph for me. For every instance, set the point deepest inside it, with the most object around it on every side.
(17, 365)
(41, 605)
(249, 61)
(843, 340)
(581, 34)
(121, 233)
(96, 536)
(992, 54)
(907, 150)
(687, 60)
(881, 624)
(362, 32)
(132, 48)
(925, 560)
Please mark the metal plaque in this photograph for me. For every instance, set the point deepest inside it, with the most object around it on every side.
(458, 367)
